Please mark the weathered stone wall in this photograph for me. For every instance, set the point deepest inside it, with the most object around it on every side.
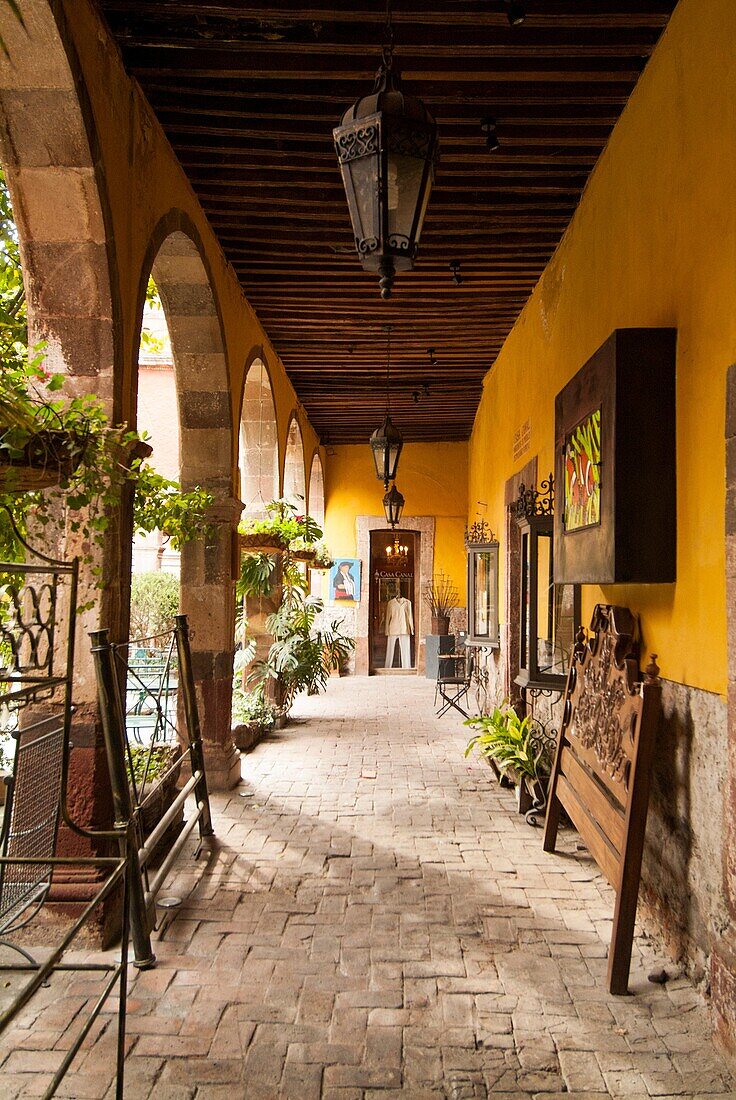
(682, 875)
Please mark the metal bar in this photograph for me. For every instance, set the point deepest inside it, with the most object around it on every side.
(123, 992)
(191, 713)
(163, 777)
(146, 851)
(82, 1035)
(46, 968)
(171, 856)
(113, 728)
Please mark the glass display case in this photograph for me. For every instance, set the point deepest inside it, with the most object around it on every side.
(482, 589)
(550, 613)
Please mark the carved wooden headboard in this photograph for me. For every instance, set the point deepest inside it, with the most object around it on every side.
(603, 765)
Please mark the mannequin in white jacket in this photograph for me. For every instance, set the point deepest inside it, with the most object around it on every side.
(399, 626)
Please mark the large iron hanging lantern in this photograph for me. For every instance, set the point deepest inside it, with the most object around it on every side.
(386, 145)
(393, 506)
(387, 441)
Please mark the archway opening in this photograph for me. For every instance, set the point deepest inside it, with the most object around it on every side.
(258, 457)
(198, 449)
(295, 482)
(316, 503)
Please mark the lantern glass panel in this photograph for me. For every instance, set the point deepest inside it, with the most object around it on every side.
(364, 208)
(405, 176)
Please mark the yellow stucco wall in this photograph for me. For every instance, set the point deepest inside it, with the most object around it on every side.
(433, 478)
(653, 243)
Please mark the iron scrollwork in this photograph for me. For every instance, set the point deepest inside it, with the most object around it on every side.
(536, 502)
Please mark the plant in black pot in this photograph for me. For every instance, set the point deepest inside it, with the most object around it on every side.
(441, 596)
(512, 745)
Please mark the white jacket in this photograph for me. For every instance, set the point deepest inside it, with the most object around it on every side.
(399, 616)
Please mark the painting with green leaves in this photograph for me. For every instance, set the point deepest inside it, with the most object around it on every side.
(583, 474)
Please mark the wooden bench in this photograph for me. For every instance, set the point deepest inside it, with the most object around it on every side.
(603, 765)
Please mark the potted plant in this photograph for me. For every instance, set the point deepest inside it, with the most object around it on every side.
(322, 557)
(252, 716)
(508, 742)
(302, 550)
(155, 770)
(441, 595)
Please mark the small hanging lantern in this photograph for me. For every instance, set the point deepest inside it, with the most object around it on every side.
(393, 506)
(387, 441)
(386, 444)
(386, 146)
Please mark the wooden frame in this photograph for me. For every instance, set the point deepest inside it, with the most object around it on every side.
(602, 770)
(628, 385)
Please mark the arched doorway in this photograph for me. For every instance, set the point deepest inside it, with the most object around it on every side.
(295, 482)
(205, 454)
(258, 460)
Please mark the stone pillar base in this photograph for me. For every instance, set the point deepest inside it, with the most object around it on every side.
(723, 991)
(222, 764)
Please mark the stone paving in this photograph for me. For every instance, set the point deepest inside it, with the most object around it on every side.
(375, 920)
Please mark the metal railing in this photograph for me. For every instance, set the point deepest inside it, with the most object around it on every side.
(173, 720)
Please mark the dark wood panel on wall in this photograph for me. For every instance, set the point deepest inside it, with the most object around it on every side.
(629, 533)
(248, 94)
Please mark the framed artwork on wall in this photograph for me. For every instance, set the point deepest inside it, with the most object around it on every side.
(345, 577)
(615, 464)
(582, 466)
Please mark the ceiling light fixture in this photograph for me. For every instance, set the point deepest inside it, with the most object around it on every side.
(387, 441)
(488, 127)
(386, 146)
(515, 12)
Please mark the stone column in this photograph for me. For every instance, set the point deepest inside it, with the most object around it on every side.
(208, 598)
(723, 959)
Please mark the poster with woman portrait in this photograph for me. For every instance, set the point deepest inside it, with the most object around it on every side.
(345, 580)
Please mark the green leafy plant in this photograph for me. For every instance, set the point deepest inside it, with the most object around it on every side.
(146, 764)
(42, 428)
(322, 556)
(257, 576)
(302, 656)
(251, 707)
(508, 740)
(284, 523)
(154, 601)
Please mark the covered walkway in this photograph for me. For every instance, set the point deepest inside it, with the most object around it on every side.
(376, 920)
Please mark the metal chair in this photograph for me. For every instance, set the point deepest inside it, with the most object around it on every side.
(454, 678)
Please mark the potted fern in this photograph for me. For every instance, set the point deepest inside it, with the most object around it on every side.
(508, 742)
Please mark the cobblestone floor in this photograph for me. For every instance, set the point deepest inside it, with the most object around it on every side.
(375, 920)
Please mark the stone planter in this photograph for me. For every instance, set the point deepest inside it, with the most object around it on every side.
(247, 735)
(441, 625)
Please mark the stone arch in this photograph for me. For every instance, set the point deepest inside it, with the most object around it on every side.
(49, 153)
(175, 258)
(258, 438)
(295, 480)
(316, 499)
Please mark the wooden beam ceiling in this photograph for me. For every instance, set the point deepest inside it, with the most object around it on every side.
(248, 94)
